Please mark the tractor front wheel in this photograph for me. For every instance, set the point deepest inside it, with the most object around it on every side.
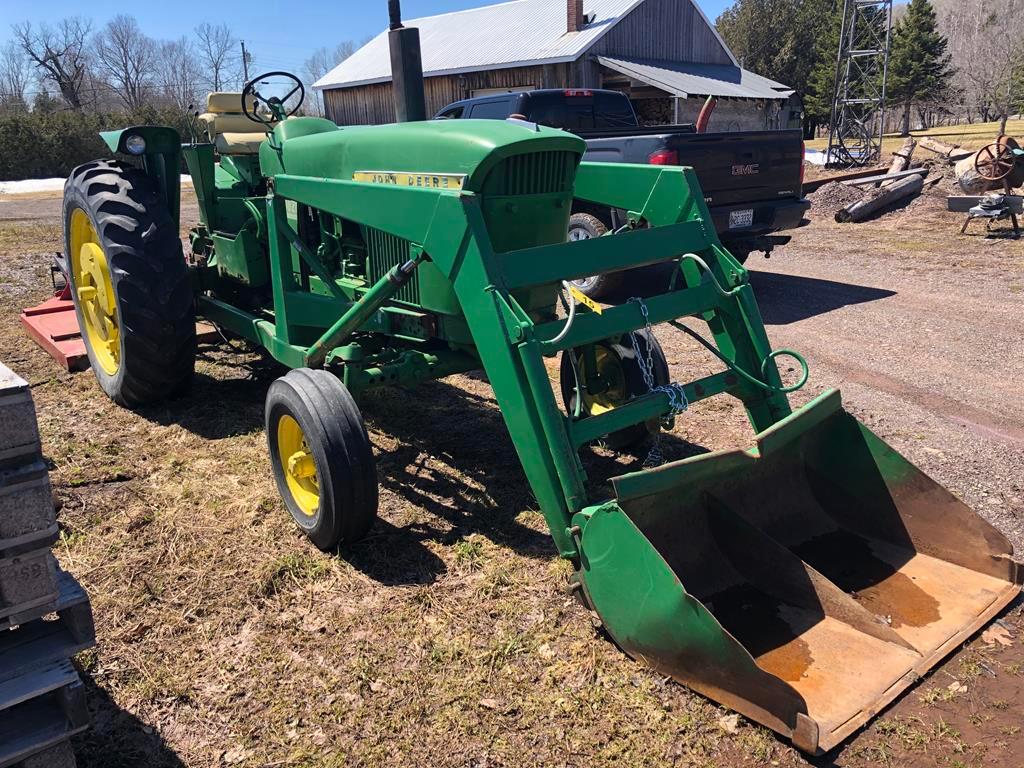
(129, 283)
(611, 377)
(321, 456)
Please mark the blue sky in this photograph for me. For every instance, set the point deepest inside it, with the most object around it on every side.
(280, 34)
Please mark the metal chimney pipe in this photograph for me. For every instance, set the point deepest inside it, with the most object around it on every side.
(406, 67)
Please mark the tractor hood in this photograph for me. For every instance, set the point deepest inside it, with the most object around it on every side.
(446, 154)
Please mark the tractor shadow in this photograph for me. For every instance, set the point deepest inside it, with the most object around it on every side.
(455, 460)
(446, 464)
(118, 739)
(782, 299)
(785, 299)
(226, 397)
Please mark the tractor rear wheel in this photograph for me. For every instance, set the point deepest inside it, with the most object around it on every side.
(622, 379)
(322, 457)
(129, 283)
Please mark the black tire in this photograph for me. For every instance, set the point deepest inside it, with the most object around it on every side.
(346, 471)
(583, 226)
(155, 307)
(633, 381)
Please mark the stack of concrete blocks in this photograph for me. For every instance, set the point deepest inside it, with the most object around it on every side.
(45, 618)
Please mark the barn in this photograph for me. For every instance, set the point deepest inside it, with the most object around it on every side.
(665, 54)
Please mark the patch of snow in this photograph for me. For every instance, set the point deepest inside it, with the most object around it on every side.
(29, 186)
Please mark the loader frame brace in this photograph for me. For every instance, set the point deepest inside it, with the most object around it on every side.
(669, 220)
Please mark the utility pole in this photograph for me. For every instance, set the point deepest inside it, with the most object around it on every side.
(245, 62)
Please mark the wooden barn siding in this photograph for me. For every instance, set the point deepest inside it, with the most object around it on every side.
(671, 30)
(373, 104)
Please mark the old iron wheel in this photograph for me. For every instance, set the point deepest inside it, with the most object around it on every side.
(617, 365)
(583, 226)
(321, 457)
(129, 283)
(995, 161)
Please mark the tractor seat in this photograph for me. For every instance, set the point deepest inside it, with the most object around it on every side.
(230, 131)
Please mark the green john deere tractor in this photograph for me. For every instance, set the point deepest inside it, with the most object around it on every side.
(804, 581)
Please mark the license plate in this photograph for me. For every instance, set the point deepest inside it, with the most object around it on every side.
(741, 218)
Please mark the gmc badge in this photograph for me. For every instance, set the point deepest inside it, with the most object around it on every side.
(745, 170)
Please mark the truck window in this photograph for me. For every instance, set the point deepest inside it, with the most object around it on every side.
(451, 114)
(490, 110)
(581, 110)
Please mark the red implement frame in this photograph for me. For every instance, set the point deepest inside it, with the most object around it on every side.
(54, 327)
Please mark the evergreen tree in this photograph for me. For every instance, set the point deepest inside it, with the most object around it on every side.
(821, 82)
(776, 38)
(919, 65)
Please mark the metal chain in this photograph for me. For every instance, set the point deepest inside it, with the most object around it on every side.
(677, 400)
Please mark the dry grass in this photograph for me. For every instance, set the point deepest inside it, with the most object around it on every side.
(446, 638)
(973, 136)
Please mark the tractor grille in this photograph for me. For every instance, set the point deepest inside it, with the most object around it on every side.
(537, 173)
(385, 251)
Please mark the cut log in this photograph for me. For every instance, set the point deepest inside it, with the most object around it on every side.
(876, 199)
(900, 159)
(938, 147)
(951, 152)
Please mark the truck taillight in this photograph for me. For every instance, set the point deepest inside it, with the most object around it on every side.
(664, 157)
(803, 159)
(576, 92)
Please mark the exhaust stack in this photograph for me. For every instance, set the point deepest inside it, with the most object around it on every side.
(406, 67)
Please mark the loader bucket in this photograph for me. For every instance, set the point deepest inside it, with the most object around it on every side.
(804, 583)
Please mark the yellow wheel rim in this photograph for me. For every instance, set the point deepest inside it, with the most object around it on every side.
(298, 465)
(95, 293)
(609, 367)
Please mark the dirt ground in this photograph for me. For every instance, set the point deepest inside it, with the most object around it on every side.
(447, 637)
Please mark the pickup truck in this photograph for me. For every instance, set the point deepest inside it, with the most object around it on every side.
(752, 180)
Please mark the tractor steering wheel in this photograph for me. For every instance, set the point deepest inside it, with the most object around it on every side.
(275, 105)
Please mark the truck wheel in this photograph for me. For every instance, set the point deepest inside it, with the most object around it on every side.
(321, 456)
(617, 364)
(129, 283)
(583, 226)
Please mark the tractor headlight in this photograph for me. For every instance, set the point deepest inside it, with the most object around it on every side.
(135, 144)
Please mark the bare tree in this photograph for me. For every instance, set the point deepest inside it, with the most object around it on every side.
(59, 53)
(322, 61)
(986, 41)
(127, 57)
(16, 73)
(219, 54)
(178, 72)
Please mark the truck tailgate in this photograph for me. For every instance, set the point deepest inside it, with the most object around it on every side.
(744, 167)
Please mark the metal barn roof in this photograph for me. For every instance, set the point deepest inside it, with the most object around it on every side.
(684, 79)
(519, 33)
